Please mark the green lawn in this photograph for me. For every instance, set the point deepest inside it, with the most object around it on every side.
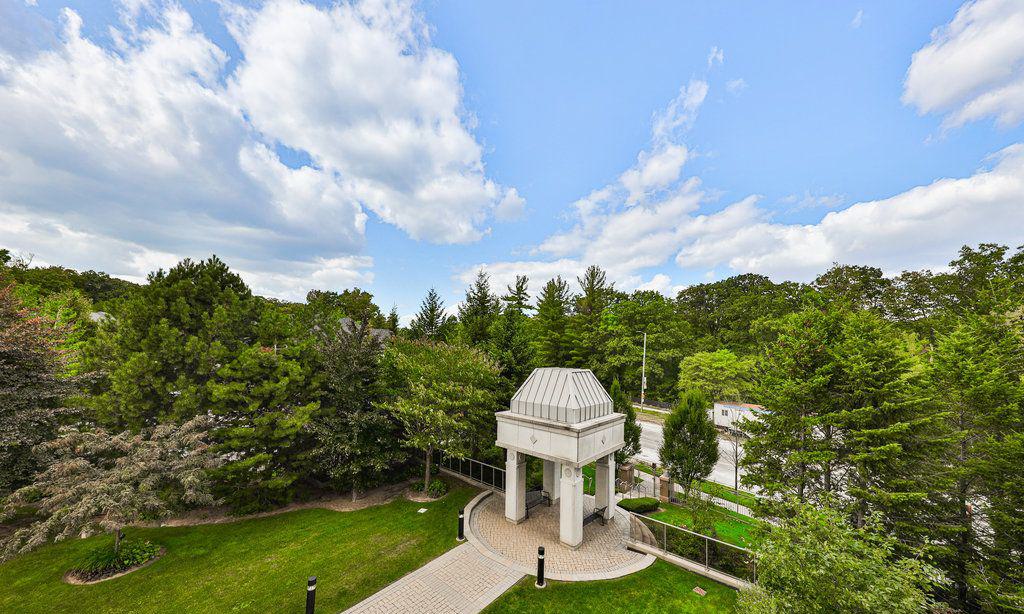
(730, 527)
(662, 587)
(746, 499)
(256, 565)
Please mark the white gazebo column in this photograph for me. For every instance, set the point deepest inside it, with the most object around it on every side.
(515, 486)
(570, 511)
(604, 485)
(552, 475)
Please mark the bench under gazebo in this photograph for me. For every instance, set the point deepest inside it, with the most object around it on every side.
(565, 418)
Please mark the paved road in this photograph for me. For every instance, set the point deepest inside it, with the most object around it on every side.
(650, 442)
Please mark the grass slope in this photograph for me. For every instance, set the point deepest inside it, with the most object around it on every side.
(730, 527)
(659, 588)
(256, 565)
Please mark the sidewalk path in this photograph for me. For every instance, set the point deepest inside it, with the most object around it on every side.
(459, 581)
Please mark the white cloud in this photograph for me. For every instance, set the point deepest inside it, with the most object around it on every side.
(735, 86)
(973, 67)
(680, 114)
(858, 19)
(165, 147)
(654, 171)
(361, 90)
(715, 57)
(636, 238)
(511, 207)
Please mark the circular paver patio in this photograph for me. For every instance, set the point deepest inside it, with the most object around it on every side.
(602, 555)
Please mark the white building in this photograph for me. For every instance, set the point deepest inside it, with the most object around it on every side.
(727, 415)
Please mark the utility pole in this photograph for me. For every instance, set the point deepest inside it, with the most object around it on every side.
(643, 374)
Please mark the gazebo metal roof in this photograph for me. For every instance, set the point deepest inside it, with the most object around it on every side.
(561, 395)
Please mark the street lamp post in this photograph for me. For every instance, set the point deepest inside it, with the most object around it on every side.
(643, 374)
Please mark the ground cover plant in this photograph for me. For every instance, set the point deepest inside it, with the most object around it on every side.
(253, 565)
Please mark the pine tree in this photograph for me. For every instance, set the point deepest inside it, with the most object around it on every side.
(166, 342)
(431, 322)
(509, 345)
(517, 296)
(550, 339)
(584, 329)
(631, 428)
(479, 309)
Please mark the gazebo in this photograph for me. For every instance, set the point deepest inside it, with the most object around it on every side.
(565, 417)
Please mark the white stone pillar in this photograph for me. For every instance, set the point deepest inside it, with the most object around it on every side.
(570, 509)
(515, 486)
(552, 475)
(604, 485)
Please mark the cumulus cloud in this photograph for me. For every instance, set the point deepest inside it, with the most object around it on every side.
(973, 67)
(682, 224)
(164, 146)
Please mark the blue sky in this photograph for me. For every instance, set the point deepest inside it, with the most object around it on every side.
(399, 147)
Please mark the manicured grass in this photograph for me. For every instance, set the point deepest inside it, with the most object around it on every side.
(746, 499)
(256, 565)
(659, 588)
(730, 527)
(645, 468)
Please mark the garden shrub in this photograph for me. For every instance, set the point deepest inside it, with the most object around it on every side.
(642, 505)
(103, 561)
(436, 488)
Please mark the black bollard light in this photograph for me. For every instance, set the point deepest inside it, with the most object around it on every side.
(540, 567)
(462, 526)
(311, 595)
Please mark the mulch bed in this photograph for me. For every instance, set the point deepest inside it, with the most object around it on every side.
(80, 578)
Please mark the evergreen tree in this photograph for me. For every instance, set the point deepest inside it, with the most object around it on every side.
(479, 310)
(517, 296)
(354, 441)
(167, 341)
(889, 436)
(550, 339)
(431, 322)
(631, 428)
(392, 320)
(975, 378)
(690, 447)
(33, 389)
(587, 339)
(509, 345)
(793, 445)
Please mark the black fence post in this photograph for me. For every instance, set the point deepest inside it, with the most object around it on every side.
(540, 567)
(311, 595)
(462, 526)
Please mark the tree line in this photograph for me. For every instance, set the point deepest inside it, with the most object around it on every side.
(895, 400)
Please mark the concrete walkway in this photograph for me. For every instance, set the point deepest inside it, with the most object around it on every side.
(460, 581)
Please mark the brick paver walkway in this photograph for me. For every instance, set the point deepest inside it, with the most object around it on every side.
(460, 581)
(602, 555)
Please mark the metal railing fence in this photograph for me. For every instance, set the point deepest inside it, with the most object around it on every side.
(487, 475)
(712, 553)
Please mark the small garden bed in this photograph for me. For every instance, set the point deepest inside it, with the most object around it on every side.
(434, 491)
(104, 562)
